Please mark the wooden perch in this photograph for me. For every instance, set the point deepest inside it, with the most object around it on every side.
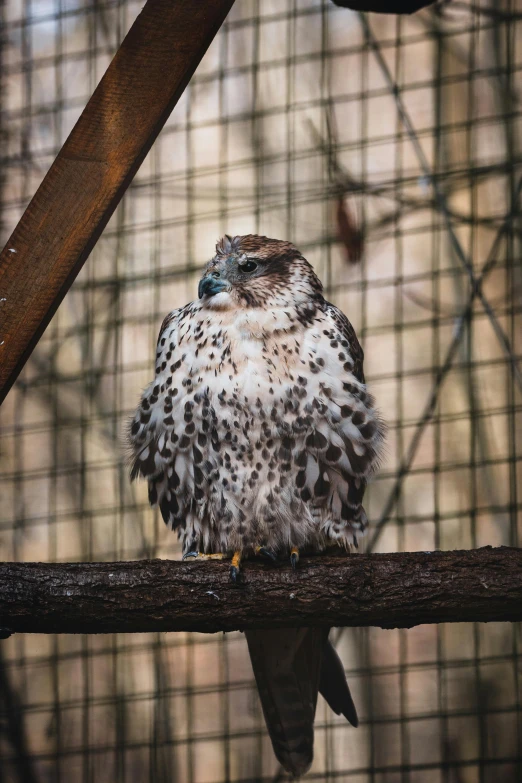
(95, 166)
(387, 590)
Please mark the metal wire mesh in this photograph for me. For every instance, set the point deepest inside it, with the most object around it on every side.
(389, 150)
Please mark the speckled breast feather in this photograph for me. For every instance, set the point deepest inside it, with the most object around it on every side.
(258, 429)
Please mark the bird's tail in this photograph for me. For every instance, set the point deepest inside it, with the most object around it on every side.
(333, 686)
(288, 666)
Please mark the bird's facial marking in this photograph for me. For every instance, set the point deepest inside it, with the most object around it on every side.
(235, 267)
(227, 280)
(259, 273)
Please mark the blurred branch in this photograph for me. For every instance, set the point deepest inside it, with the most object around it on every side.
(344, 184)
(475, 8)
(437, 25)
(70, 399)
(398, 590)
(440, 197)
(442, 372)
(444, 309)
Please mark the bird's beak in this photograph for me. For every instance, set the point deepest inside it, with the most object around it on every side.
(208, 286)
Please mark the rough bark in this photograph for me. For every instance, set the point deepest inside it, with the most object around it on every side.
(387, 590)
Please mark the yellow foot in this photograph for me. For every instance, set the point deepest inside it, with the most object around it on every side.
(264, 551)
(294, 557)
(235, 573)
(200, 556)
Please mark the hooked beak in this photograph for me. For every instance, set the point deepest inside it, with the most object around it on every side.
(209, 286)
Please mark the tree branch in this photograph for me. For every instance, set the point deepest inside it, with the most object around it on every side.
(388, 590)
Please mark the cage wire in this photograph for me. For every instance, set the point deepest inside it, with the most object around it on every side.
(389, 150)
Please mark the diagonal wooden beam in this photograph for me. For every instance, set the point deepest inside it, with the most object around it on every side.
(95, 166)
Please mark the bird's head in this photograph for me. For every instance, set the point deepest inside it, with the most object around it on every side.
(253, 271)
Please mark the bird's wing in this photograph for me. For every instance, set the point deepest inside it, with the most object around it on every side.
(348, 332)
(287, 666)
(153, 431)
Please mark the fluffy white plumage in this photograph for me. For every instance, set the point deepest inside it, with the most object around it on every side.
(258, 429)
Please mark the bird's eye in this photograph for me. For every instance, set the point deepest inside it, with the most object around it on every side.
(248, 266)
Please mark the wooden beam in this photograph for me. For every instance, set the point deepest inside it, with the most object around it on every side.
(95, 166)
(385, 6)
(388, 590)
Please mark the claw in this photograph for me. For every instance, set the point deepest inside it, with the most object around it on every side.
(294, 557)
(200, 556)
(235, 573)
(190, 554)
(264, 551)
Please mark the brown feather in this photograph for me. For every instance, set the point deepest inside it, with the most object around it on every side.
(287, 666)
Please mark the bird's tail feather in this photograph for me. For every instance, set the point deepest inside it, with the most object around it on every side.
(287, 665)
(290, 666)
(333, 686)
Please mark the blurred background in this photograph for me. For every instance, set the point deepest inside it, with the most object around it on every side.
(389, 150)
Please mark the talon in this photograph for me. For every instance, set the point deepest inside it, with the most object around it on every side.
(294, 557)
(190, 554)
(200, 556)
(235, 573)
(264, 551)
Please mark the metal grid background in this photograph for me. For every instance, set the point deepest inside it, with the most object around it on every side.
(396, 137)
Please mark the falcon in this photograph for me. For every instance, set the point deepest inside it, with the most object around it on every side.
(257, 437)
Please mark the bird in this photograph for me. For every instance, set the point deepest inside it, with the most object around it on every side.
(257, 437)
